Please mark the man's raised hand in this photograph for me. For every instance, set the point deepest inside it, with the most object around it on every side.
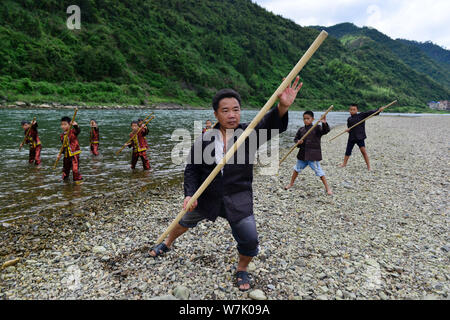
(287, 97)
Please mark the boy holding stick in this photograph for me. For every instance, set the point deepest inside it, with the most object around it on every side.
(71, 149)
(32, 138)
(358, 134)
(94, 137)
(230, 195)
(139, 145)
(310, 152)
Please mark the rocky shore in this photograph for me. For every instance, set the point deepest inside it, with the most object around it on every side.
(382, 235)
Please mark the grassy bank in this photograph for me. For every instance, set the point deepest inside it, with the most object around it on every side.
(111, 94)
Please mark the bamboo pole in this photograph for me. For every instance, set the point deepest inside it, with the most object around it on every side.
(287, 81)
(148, 117)
(26, 136)
(65, 137)
(306, 134)
(140, 128)
(373, 115)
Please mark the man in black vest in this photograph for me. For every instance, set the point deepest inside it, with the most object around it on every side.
(358, 134)
(230, 194)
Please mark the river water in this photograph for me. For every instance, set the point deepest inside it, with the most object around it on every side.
(25, 189)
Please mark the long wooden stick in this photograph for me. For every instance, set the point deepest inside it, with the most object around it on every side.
(140, 128)
(26, 136)
(148, 117)
(294, 72)
(373, 115)
(65, 137)
(306, 134)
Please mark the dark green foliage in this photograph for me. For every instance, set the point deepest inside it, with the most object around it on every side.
(425, 58)
(432, 50)
(144, 51)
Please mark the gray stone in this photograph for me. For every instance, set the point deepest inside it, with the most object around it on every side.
(257, 295)
(251, 267)
(383, 296)
(349, 295)
(99, 249)
(349, 271)
(322, 276)
(181, 293)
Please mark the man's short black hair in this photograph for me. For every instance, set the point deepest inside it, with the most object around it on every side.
(134, 122)
(309, 113)
(66, 119)
(94, 120)
(354, 105)
(25, 122)
(222, 94)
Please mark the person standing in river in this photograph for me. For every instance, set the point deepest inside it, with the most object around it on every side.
(94, 137)
(358, 134)
(71, 150)
(230, 195)
(32, 138)
(139, 145)
(208, 126)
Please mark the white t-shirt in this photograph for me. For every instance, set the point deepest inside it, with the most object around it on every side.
(219, 148)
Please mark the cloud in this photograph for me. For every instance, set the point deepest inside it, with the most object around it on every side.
(409, 19)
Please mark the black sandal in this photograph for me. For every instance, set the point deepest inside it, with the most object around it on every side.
(245, 279)
(159, 249)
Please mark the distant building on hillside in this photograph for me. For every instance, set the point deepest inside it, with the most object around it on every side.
(439, 105)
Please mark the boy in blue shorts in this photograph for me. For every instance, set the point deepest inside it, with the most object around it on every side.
(310, 152)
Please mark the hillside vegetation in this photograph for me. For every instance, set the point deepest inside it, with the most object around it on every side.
(182, 51)
(425, 58)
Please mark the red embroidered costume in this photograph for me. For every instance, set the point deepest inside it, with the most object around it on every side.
(94, 139)
(35, 145)
(140, 146)
(72, 154)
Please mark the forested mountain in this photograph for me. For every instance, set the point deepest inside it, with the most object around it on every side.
(426, 58)
(432, 50)
(146, 51)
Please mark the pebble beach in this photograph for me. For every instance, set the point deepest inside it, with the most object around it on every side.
(383, 235)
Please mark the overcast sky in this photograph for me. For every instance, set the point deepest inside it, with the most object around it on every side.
(419, 20)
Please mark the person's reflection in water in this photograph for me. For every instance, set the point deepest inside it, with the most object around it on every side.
(77, 188)
(71, 190)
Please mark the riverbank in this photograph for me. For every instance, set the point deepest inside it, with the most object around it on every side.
(382, 235)
(57, 106)
(178, 106)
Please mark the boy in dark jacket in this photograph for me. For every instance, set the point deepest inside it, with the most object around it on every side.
(310, 152)
(358, 134)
